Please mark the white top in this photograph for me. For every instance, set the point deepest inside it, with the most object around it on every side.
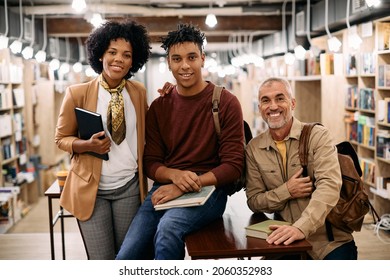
(122, 164)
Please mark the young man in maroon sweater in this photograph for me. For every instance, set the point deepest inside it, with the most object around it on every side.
(183, 153)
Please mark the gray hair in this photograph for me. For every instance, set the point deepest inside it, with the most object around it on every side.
(269, 81)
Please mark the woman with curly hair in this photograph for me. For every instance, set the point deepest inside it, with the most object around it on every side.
(104, 195)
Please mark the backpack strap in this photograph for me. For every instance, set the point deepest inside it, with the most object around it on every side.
(215, 110)
(304, 145)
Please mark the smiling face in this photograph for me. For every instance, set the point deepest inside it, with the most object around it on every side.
(117, 61)
(276, 105)
(185, 60)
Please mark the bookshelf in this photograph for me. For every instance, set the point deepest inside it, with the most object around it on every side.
(17, 182)
(382, 151)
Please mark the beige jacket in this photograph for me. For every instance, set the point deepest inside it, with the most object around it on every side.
(79, 193)
(267, 189)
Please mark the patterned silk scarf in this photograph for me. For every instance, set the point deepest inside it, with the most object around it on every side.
(116, 111)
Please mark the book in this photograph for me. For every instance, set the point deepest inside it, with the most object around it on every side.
(89, 123)
(189, 199)
(262, 230)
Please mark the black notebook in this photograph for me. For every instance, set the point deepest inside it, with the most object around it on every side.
(89, 123)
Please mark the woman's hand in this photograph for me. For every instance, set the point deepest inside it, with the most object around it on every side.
(99, 143)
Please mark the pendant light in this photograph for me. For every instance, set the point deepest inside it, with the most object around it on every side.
(354, 39)
(28, 51)
(211, 19)
(334, 44)
(79, 5)
(16, 46)
(40, 56)
(299, 50)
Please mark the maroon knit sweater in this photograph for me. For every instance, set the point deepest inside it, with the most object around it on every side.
(180, 134)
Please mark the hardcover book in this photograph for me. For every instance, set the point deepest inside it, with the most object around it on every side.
(262, 230)
(89, 123)
(188, 199)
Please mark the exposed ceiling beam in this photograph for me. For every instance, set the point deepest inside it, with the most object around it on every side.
(78, 27)
(117, 9)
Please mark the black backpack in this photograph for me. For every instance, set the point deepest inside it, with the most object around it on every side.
(354, 204)
(239, 184)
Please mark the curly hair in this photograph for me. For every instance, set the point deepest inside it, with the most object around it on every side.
(185, 33)
(134, 33)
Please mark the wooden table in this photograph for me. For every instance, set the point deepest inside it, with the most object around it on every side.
(225, 238)
(53, 192)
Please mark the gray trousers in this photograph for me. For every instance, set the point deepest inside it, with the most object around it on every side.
(114, 210)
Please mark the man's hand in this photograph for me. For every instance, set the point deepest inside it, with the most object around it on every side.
(284, 235)
(186, 181)
(300, 187)
(165, 193)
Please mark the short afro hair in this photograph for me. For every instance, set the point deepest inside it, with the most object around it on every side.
(134, 33)
(185, 33)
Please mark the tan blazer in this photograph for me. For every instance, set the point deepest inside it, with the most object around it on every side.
(79, 193)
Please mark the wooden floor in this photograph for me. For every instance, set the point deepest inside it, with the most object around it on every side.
(29, 239)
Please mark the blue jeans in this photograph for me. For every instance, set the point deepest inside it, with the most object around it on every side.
(160, 234)
(347, 251)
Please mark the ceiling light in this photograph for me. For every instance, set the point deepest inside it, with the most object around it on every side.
(299, 52)
(28, 52)
(3, 42)
(77, 67)
(211, 20)
(79, 5)
(97, 20)
(16, 46)
(334, 44)
(64, 69)
(289, 58)
(354, 39)
(54, 64)
(373, 3)
(40, 56)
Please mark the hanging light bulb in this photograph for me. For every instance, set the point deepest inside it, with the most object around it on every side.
(373, 3)
(79, 5)
(77, 67)
(16, 46)
(299, 52)
(40, 56)
(211, 19)
(289, 58)
(334, 44)
(354, 39)
(54, 64)
(28, 52)
(97, 20)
